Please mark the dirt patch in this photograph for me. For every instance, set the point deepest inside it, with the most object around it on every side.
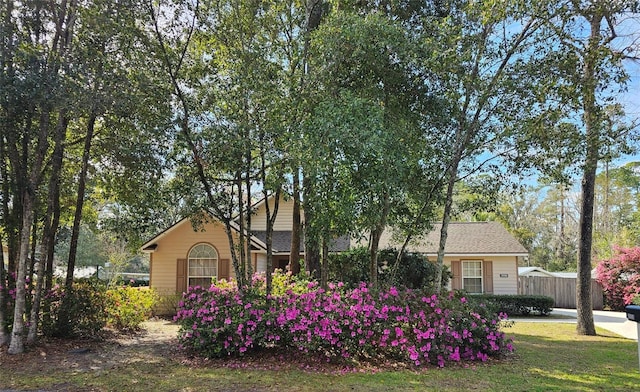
(156, 340)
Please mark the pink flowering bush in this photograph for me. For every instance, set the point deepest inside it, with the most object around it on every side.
(357, 325)
(620, 277)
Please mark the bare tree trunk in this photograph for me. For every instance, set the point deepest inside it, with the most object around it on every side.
(50, 226)
(4, 334)
(324, 266)
(77, 218)
(446, 218)
(585, 324)
(271, 220)
(311, 241)
(374, 241)
(242, 246)
(296, 228)
(17, 333)
(64, 315)
(28, 197)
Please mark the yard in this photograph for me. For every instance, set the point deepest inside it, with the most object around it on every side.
(547, 357)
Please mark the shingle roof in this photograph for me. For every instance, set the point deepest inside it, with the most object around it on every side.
(464, 238)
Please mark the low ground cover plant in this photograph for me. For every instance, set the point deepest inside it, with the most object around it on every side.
(341, 325)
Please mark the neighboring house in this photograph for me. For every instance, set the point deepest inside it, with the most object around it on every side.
(538, 271)
(561, 286)
(535, 271)
(482, 255)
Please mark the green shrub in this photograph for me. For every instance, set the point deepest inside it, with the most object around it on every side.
(636, 300)
(77, 313)
(517, 305)
(350, 267)
(127, 307)
(415, 271)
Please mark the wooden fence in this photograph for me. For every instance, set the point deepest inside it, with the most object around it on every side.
(562, 290)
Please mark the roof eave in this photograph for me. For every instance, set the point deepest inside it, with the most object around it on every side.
(512, 254)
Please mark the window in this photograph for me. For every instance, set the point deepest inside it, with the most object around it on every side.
(203, 265)
(472, 276)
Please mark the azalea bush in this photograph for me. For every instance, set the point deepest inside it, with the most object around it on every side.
(127, 307)
(620, 277)
(340, 324)
(86, 302)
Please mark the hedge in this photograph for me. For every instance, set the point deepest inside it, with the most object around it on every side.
(518, 305)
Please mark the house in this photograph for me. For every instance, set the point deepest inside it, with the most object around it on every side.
(538, 271)
(183, 256)
(483, 256)
(535, 271)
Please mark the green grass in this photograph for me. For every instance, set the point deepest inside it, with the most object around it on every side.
(548, 357)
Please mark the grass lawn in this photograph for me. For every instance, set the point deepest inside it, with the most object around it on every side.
(548, 357)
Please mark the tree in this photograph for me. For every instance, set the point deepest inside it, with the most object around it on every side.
(363, 140)
(589, 71)
(480, 51)
(616, 209)
(35, 53)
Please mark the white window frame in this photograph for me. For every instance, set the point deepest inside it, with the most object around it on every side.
(200, 254)
(465, 275)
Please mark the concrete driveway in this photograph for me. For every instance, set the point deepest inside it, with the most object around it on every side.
(611, 321)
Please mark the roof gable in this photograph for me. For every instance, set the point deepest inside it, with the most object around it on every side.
(151, 245)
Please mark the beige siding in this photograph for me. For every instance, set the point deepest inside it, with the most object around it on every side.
(176, 244)
(284, 218)
(505, 275)
(262, 263)
(505, 272)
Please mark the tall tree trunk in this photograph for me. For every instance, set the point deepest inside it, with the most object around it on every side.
(585, 324)
(324, 265)
(4, 333)
(315, 12)
(311, 240)
(248, 201)
(82, 183)
(242, 220)
(446, 217)
(296, 227)
(64, 315)
(374, 241)
(50, 226)
(17, 333)
(271, 220)
(28, 197)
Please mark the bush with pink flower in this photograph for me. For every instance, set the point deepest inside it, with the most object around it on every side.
(339, 324)
(620, 277)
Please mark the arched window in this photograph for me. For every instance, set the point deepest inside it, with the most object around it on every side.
(203, 265)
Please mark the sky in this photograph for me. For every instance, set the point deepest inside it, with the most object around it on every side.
(627, 32)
